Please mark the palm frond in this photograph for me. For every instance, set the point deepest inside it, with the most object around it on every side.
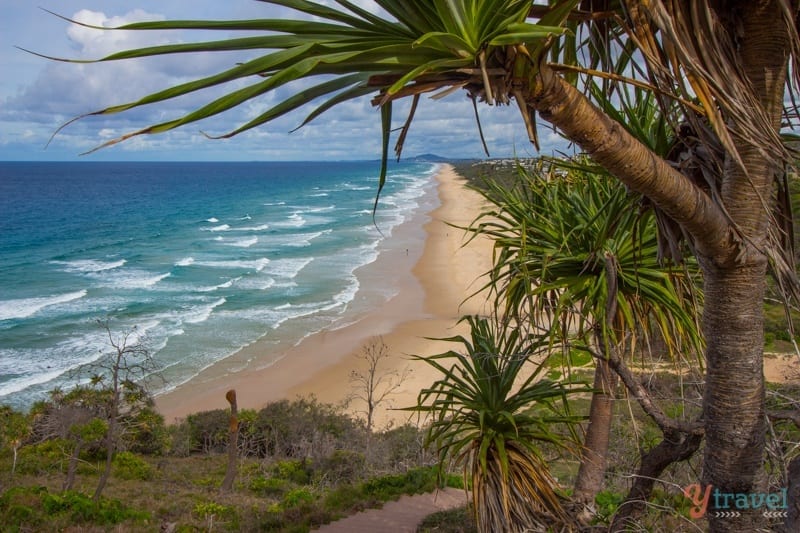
(491, 411)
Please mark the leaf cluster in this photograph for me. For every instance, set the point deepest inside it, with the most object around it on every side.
(576, 253)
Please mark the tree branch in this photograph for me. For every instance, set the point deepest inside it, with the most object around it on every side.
(665, 423)
(611, 146)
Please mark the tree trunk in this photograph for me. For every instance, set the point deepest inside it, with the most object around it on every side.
(594, 454)
(733, 321)
(14, 464)
(69, 481)
(233, 443)
(733, 403)
(111, 435)
(111, 446)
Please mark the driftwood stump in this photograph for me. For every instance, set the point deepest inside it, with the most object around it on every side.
(233, 443)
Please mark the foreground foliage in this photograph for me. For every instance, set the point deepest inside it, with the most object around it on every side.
(490, 413)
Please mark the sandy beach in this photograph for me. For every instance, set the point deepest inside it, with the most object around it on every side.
(433, 284)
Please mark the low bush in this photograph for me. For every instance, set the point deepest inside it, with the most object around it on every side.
(296, 497)
(268, 486)
(342, 466)
(30, 508)
(128, 465)
(298, 472)
(458, 520)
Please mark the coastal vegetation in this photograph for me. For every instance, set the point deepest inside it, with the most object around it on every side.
(717, 182)
(300, 463)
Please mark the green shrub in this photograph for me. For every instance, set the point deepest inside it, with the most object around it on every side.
(296, 497)
(208, 509)
(458, 520)
(129, 466)
(148, 434)
(607, 503)
(400, 447)
(213, 513)
(23, 508)
(20, 508)
(298, 472)
(208, 431)
(306, 428)
(347, 499)
(343, 466)
(46, 457)
(415, 481)
(268, 486)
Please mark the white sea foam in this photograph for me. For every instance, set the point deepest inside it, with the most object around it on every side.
(22, 383)
(212, 220)
(320, 209)
(245, 242)
(288, 268)
(39, 366)
(221, 227)
(202, 313)
(186, 261)
(90, 265)
(346, 295)
(259, 283)
(25, 307)
(261, 227)
(295, 220)
(256, 264)
(131, 279)
(301, 240)
(228, 284)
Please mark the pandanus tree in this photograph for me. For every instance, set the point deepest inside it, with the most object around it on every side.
(723, 62)
(575, 254)
(492, 413)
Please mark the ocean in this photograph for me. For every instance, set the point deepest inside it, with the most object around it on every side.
(198, 260)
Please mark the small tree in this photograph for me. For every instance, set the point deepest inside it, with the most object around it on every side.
(127, 366)
(372, 386)
(14, 429)
(82, 433)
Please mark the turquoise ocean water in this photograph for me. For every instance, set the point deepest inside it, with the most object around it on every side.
(201, 259)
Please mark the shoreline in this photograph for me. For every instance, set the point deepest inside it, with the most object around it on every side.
(431, 284)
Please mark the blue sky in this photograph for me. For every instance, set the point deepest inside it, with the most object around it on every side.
(37, 96)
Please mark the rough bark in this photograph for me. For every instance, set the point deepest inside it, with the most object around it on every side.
(734, 403)
(594, 454)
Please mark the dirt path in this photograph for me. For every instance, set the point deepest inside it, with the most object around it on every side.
(401, 516)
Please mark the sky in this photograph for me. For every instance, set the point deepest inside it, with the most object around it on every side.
(38, 95)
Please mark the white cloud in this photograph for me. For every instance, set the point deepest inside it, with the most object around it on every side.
(59, 91)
